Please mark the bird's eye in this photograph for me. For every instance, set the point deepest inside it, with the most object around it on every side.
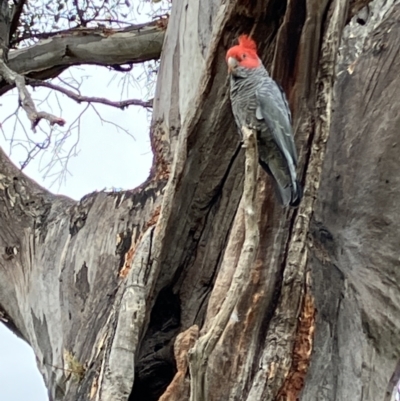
(244, 56)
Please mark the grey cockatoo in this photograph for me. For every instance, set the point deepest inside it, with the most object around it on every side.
(259, 103)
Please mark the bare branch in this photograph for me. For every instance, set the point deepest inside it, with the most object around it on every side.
(95, 46)
(34, 152)
(89, 99)
(5, 18)
(60, 176)
(25, 98)
(71, 30)
(16, 15)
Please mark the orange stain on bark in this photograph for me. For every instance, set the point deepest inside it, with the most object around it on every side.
(295, 379)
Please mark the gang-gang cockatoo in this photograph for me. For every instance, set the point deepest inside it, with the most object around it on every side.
(260, 104)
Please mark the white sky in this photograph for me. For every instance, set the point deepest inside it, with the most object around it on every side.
(107, 159)
(19, 378)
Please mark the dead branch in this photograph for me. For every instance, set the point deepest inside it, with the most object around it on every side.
(25, 98)
(96, 46)
(16, 15)
(89, 99)
(199, 354)
(80, 30)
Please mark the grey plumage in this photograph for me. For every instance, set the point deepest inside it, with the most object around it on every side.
(259, 103)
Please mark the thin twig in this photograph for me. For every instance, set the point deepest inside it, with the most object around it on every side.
(117, 126)
(64, 81)
(89, 99)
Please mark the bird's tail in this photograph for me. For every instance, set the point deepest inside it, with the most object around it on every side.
(290, 195)
(296, 194)
(288, 191)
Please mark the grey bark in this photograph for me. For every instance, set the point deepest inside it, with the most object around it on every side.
(111, 291)
(97, 46)
(354, 230)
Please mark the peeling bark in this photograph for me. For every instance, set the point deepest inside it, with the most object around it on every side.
(121, 287)
(98, 46)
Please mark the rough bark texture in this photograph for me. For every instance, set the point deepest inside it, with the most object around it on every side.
(113, 291)
(355, 236)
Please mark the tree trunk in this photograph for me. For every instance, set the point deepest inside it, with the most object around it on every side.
(122, 294)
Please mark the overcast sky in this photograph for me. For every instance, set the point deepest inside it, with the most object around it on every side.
(20, 380)
(107, 158)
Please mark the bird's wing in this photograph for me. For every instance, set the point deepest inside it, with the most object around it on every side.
(272, 107)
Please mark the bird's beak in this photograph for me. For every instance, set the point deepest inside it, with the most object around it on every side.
(232, 64)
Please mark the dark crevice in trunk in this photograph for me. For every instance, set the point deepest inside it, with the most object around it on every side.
(203, 302)
(155, 365)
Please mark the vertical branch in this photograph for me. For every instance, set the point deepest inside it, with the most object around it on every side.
(200, 353)
(5, 20)
(16, 15)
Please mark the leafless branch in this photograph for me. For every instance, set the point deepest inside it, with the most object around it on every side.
(47, 38)
(8, 117)
(114, 21)
(16, 15)
(25, 98)
(89, 99)
(49, 58)
(79, 30)
(67, 82)
(34, 152)
(104, 121)
(57, 158)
